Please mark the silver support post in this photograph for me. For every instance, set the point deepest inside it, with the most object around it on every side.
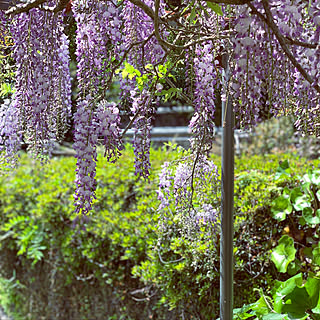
(227, 202)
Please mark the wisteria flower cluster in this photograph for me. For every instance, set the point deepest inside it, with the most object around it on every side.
(205, 81)
(264, 76)
(142, 114)
(99, 42)
(42, 101)
(102, 122)
(139, 30)
(10, 135)
(189, 190)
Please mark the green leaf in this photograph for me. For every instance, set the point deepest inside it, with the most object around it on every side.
(313, 287)
(284, 165)
(261, 307)
(312, 177)
(299, 300)
(215, 8)
(294, 297)
(316, 178)
(284, 253)
(295, 193)
(294, 267)
(192, 15)
(316, 255)
(281, 289)
(300, 200)
(307, 213)
(283, 171)
(281, 206)
(316, 309)
(5, 89)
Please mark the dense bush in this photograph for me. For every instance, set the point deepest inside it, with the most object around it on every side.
(279, 135)
(296, 255)
(122, 265)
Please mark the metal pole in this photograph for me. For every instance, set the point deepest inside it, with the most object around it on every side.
(227, 193)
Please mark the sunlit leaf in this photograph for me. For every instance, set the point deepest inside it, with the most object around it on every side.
(284, 253)
(215, 8)
(310, 218)
(281, 206)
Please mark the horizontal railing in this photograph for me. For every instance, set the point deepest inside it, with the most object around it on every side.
(181, 135)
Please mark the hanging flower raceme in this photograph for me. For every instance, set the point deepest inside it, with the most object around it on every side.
(42, 99)
(205, 81)
(140, 42)
(102, 122)
(10, 134)
(265, 81)
(139, 30)
(188, 189)
(142, 113)
(99, 42)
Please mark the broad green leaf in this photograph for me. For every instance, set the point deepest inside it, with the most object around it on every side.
(310, 218)
(296, 303)
(286, 192)
(283, 171)
(312, 177)
(318, 194)
(260, 307)
(281, 289)
(313, 287)
(295, 193)
(294, 297)
(316, 309)
(301, 202)
(281, 206)
(316, 255)
(283, 253)
(215, 8)
(294, 267)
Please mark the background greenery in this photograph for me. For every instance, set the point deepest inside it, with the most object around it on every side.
(121, 266)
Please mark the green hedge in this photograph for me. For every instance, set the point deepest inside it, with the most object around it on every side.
(122, 266)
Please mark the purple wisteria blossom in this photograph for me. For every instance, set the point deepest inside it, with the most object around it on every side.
(40, 110)
(99, 41)
(101, 122)
(189, 188)
(142, 111)
(10, 134)
(202, 122)
(139, 30)
(264, 77)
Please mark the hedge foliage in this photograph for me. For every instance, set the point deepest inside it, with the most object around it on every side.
(122, 265)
